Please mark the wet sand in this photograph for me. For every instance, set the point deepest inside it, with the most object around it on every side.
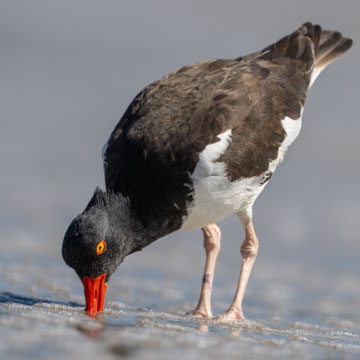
(294, 309)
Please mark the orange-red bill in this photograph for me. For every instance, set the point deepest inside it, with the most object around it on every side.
(95, 291)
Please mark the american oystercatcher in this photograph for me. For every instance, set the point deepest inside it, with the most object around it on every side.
(193, 147)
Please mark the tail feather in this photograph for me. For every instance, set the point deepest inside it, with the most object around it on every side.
(328, 45)
(313, 32)
(311, 46)
(332, 45)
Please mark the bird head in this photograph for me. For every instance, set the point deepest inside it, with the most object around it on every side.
(94, 246)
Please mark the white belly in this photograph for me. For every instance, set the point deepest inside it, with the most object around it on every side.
(215, 196)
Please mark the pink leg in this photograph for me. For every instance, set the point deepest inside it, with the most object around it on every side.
(212, 238)
(249, 249)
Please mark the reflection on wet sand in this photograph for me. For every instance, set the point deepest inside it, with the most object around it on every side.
(203, 327)
(92, 328)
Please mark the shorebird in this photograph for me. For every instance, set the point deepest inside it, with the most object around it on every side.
(195, 146)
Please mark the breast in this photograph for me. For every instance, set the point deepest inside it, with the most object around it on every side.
(215, 196)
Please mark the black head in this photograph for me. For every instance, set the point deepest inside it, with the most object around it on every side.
(96, 242)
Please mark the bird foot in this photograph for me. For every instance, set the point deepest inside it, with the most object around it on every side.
(199, 313)
(232, 314)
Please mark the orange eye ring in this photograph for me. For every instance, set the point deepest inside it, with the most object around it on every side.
(100, 247)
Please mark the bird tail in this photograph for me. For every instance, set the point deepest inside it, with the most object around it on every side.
(312, 47)
(328, 45)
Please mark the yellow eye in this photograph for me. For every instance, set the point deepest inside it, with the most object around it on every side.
(100, 247)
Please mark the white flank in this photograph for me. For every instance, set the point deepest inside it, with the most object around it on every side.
(215, 196)
(292, 128)
(315, 73)
(207, 165)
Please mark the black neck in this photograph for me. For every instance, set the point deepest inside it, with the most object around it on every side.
(138, 229)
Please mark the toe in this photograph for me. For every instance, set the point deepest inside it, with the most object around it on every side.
(230, 315)
(199, 314)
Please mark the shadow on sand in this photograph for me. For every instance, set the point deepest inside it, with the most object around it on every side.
(7, 297)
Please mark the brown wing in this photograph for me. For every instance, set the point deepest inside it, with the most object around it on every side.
(169, 123)
(172, 120)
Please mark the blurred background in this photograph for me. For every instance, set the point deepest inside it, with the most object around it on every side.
(70, 68)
